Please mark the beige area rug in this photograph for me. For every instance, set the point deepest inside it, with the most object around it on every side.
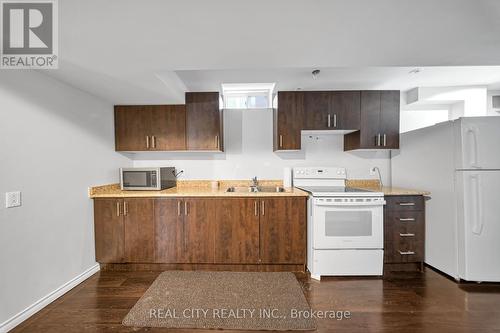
(223, 300)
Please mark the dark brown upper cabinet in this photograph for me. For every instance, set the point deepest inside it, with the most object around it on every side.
(332, 110)
(150, 127)
(168, 125)
(379, 126)
(288, 120)
(204, 126)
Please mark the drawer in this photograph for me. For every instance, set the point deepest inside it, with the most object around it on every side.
(404, 249)
(404, 203)
(404, 236)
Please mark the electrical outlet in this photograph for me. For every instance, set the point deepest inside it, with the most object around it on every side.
(12, 199)
(373, 171)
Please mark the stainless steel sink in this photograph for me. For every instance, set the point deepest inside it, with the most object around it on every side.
(255, 189)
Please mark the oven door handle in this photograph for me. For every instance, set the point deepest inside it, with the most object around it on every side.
(350, 204)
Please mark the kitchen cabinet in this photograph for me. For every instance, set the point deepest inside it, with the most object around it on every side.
(199, 219)
(379, 122)
(201, 231)
(404, 230)
(288, 120)
(108, 231)
(184, 230)
(132, 128)
(150, 127)
(204, 121)
(169, 230)
(139, 229)
(168, 127)
(283, 230)
(237, 231)
(124, 230)
(332, 110)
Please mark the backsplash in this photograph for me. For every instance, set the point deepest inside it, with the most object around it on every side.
(248, 153)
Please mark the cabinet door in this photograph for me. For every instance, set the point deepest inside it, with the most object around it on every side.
(139, 230)
(199, 218)
(317, 105)
(132, 128)
(283, 230)
(389, 119)
(237, 231)
(345, 110)
(168, 127)
(169, 230)
(290, 120)
(108, 230)
(203, 121)
(370, 119)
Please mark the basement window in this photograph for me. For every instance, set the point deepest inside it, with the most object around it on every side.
(247, 95)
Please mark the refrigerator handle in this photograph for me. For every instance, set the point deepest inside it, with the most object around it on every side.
(477, 227)
(474, 160)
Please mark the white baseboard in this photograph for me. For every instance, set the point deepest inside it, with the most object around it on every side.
(46, 300)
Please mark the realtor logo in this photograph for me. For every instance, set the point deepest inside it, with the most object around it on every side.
(29, 34)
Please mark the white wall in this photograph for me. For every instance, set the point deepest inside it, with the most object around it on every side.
(55, 142)
(249, 152)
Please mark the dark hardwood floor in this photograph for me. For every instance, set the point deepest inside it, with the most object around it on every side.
(404, 302)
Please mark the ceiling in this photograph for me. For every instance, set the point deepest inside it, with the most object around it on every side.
(129, 51)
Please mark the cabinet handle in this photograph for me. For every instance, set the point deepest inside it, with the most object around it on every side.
(281, 141)
(407, 204)
(385, 139)
(118, 208)
(329, 121)
(178, 208)
(147, 141)
(407, 219)
(335, 120)
(406, 253)
(263, 206)
(185, 208)
(255, 208)
(378, 139)
(125, 208)
(217, 141)
(153, 141)
(406, 235)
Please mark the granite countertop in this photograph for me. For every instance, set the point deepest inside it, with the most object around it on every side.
(374, 185)
(196, 188)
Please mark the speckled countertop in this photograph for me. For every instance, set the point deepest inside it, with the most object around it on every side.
(196, 188)
(374, 185)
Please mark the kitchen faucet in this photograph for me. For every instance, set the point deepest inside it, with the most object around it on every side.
(255, 183)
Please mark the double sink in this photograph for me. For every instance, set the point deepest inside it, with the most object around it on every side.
(255, 189)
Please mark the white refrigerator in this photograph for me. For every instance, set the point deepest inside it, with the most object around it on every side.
(459, 163)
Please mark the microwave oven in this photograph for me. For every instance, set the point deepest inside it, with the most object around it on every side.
(147, 179)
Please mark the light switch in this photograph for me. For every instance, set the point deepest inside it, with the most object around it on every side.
(12, 199)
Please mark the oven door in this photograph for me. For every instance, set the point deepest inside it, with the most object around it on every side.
(344, 224)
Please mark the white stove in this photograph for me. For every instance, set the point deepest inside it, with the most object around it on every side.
(345, 225)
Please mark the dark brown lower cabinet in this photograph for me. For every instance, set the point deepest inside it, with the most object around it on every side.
(225, 231)
(169, 230)
(139, 230)
(199, 218)
(404, 231)
(283, 230)
(237, 231)
(124, 230)
(109, 230)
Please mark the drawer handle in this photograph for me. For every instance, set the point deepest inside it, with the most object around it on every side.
(406, 253)
(407, 204)
(407, 235)
(407, 219)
